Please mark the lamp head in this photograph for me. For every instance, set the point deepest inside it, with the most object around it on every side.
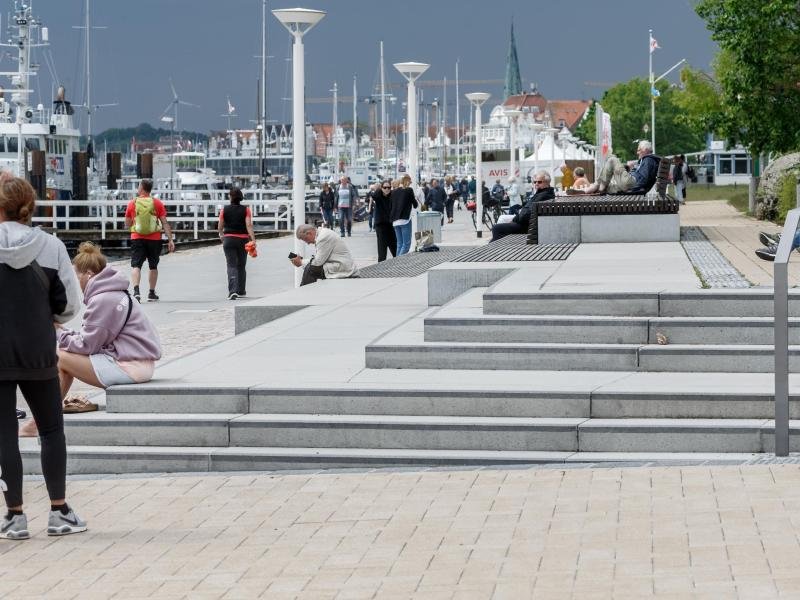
(411, 70)
(478, 98)
(298, 21)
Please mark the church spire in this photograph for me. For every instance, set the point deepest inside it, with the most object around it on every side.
(513, 85)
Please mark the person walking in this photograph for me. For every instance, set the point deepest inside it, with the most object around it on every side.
(382, 211)
(37, 288)
(463, 188)
(374, 190)
(451, 191)
(327, 202)
(403, 200)
(235, 229)
(346, 198)
(147, 217)
(436, 198)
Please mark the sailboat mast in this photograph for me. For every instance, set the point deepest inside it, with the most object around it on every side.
(383, 107)
(264, 71)
(88, 80)
(334, 137)
(458, 125)
(354, 145)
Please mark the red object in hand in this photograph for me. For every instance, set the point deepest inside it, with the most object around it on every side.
(251, 249)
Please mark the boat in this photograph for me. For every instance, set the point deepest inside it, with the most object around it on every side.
(26, 129)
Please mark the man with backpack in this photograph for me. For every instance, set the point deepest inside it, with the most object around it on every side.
(147, 217)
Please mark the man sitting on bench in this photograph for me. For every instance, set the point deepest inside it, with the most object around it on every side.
(635, 177)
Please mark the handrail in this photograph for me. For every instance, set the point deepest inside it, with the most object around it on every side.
(781, 328)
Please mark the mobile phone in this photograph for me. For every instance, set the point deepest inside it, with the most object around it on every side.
(292, 255)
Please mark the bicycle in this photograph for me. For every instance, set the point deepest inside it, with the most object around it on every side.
(491, 214)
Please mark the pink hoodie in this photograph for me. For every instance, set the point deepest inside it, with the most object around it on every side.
(104, 330)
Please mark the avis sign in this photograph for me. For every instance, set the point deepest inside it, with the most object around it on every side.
(501, 170)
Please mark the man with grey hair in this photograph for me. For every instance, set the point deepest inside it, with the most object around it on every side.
(634, 177)
(332, 259)
(543, 191)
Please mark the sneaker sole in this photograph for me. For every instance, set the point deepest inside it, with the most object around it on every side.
(16, 535)
(65, 530)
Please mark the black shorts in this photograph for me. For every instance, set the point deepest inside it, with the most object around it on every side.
(145, 249)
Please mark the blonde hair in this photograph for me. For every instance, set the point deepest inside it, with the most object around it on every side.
(89, 259)
(405, 180)
(17, 198)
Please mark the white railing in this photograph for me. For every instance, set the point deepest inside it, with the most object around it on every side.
(183, 215)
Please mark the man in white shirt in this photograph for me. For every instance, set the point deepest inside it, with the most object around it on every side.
(514, 198)
(332, 259)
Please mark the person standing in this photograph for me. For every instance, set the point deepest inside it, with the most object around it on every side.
(146, 217)
(451, 191)
(472, 186)
(37, 288)
(514, 198)
(346, 199)
(436, 198)
(235, 229)
(374, 190)
(678, 176)
(327, 202)
(382, 214)
(403, 200)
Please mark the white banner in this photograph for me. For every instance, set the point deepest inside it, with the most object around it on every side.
(604, 146)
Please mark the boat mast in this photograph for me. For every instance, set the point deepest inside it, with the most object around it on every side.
(263, 82)
(354, 144)
(334, 138)
(458, 125)
(88, 82)
(383, 107)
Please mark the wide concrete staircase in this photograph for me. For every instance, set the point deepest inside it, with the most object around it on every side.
(490, 378)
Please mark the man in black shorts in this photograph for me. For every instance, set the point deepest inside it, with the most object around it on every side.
(147, 218)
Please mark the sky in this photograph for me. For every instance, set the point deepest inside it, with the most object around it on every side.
(571, 49)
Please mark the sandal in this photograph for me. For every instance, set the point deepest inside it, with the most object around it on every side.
(78, 404)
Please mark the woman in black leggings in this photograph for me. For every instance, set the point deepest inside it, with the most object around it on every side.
(37, 288)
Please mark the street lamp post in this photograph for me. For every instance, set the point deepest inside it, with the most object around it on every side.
(171, 122)
(513, 115)
(298, 22)
(259, 134)
(477, 100)
(412, 71)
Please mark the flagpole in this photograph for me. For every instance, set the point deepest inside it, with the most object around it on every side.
(652, 96)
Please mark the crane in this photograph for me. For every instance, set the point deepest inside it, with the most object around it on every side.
(425, 84)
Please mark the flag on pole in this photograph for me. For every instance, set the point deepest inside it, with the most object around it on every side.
(654, 91)
(231, 107)
(653, 44)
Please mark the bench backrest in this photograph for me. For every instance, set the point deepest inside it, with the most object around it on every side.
(662, 178)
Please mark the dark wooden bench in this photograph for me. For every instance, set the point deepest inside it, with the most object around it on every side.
(607, 204)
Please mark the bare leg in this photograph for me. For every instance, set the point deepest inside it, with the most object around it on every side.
(136, 275)
(73, 366)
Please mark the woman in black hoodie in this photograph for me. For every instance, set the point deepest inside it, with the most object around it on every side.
(403, 200)
(382, 220)
(37, 288)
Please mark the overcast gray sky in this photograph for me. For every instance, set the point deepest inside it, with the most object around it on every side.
(209, 48)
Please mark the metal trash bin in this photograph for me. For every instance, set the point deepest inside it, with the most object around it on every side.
(431, 220)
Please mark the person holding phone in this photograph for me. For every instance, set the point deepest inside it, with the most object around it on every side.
(332, 259)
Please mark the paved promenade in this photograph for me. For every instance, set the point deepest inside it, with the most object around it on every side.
(626, 533)
(574, 531)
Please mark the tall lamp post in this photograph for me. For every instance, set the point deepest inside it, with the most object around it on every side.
(513, 115)
(412, 71)
(298, 22)
(171, 121)
(477, 100)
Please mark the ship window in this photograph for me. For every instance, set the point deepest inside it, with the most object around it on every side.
(11, 144)
(31, 143)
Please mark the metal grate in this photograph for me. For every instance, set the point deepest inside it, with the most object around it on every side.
(412, 264)
(514, 248)
(712, 266)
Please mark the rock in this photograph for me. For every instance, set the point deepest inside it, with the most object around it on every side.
(769, 185)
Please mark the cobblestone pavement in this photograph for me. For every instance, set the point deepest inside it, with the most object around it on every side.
(712, 266)
(736, 236)
(680, 532)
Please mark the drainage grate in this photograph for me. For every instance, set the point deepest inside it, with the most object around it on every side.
(515, 248)
(412, 264)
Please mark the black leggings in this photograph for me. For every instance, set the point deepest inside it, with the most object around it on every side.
(44, 400)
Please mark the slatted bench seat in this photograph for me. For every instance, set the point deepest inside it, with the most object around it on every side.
(608, 217)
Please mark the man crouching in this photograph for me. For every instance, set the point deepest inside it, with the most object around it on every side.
(332, 259)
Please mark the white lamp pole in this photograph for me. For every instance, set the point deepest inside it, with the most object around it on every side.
(536, 127)
(552, 131)
(298, 22)
(513, 115)
(477, 100)
(412, 71)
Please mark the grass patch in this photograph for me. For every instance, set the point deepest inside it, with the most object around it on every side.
(736, 195)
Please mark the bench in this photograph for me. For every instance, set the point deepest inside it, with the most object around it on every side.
(596, 218)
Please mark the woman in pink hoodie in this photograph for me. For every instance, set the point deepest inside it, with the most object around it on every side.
(116, 344)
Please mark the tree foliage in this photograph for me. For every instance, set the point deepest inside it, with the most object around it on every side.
(758, 70)
(629, 106)
(119, 139)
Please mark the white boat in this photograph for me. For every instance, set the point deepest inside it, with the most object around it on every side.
(25, 128)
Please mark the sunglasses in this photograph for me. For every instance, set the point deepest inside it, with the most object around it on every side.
(385, 187)
(539, 181)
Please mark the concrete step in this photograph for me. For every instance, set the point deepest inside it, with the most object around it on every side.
(471, 325)
(420, 433)
(135, 459)
(548, 394)
(756, 302)
(713, 358)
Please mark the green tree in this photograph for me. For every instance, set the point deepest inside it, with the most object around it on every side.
(699, 102)
(758, 70)
(629, 106)
(587, 128)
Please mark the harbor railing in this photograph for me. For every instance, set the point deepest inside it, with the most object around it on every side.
(187, 210)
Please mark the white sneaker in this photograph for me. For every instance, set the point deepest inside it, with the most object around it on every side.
(64, 524)
(15, 528)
